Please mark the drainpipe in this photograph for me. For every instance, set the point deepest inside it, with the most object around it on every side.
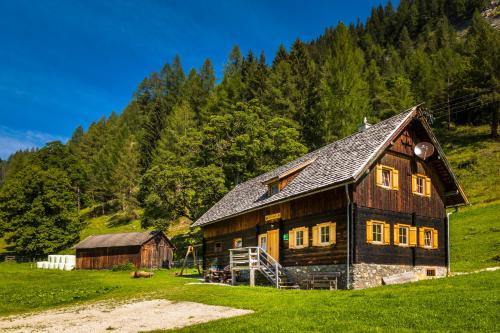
(448, 261)
(348, 234)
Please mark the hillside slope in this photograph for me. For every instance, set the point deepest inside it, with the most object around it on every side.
(475, 230)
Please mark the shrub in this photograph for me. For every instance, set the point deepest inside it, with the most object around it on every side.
(124, 267)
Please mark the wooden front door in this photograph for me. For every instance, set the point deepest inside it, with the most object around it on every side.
(273, 243)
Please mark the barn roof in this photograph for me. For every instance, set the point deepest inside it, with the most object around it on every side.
(340, 162)
(116, 240)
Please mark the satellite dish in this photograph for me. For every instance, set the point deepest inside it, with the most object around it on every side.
(424, 150)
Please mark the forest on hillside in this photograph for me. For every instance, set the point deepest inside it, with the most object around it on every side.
(186, 138)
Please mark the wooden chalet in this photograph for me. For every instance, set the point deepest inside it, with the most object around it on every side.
(149, 249)
(365, 207)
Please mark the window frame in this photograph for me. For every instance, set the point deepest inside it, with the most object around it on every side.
(426, 182)
(381, 225)
(321, 228)
(388, 172)
(419, 186)
(301, 233)
(292, 240)
(332, 231)
(217, 249)
(407, 231)
(434, 238)
(272, 185)
(431, 238)
(259, 243)
(393, 177)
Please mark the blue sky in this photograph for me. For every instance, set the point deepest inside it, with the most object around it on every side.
(67, 63)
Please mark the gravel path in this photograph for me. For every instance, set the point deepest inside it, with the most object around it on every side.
(131, 317)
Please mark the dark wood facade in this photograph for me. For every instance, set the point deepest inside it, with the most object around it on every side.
(157, 252)
(368, 202)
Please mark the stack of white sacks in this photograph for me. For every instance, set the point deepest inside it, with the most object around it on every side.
(55, 261)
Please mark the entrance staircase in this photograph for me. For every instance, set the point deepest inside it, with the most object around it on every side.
(256, 259)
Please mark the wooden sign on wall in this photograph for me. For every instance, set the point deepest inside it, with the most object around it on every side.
(273, 217)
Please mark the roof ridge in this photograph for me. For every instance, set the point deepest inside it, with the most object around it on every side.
(336, 162)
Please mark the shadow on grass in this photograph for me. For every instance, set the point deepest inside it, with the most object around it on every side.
(118, 220)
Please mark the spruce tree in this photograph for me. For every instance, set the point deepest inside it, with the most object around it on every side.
(342, 91)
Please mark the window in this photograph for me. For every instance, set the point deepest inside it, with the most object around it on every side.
(387, 177)
(428, 238)
(378, 232)
(298, 238)
(325, 234)
(263, 242)
(430, 272)
(218, 247)
(237, 243)
(421, 185)
(405, 235)
(274, 188)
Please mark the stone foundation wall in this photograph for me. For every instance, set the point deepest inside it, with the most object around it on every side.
(300, 273)
(370, 275)
(362, 275)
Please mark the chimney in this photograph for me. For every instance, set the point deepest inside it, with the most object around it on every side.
(365, 125)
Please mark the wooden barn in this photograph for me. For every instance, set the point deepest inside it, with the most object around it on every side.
(367, 209)
(149, 249)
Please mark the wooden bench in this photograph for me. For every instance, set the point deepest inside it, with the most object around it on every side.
(322, 280)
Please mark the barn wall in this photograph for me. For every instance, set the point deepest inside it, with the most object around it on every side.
(157, 253)
(105, 258)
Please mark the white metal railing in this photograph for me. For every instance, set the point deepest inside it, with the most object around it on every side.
(255, 258)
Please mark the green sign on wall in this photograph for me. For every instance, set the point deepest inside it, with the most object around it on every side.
(285, 236)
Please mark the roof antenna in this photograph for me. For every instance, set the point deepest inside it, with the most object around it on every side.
(365, 125)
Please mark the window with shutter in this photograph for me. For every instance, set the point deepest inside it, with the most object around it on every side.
(378, 232)
(387, 177)
(324, 234)
(298, 238)
(402, 234)
(421, 185)
(428, 238)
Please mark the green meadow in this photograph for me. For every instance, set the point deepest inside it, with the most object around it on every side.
(461, 303)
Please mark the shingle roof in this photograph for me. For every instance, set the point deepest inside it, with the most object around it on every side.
(116, 240)
(336, 163)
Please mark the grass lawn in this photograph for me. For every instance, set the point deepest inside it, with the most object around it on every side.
(461, 303)
(475, 238)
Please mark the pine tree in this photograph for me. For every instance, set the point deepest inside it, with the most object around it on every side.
(343, 98)
(483, 45)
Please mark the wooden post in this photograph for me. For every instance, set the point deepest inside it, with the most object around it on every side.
(196, 260)
(277, 276)
(189, 249)
(252, 277)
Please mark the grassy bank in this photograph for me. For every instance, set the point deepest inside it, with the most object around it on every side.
(461, 303)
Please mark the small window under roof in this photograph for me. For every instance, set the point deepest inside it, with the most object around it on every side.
(275, 185)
